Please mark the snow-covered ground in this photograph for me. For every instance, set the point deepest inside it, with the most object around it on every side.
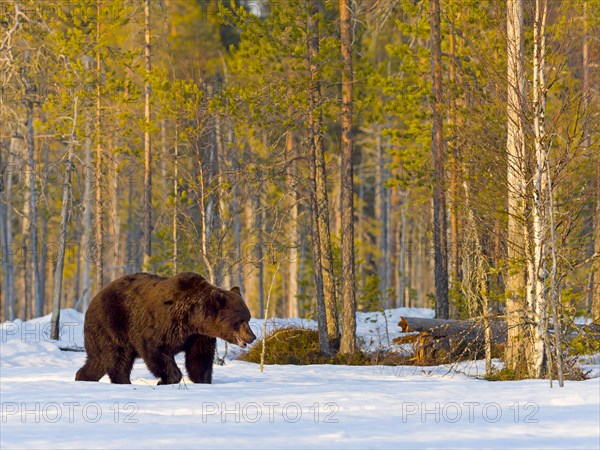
(283, 407)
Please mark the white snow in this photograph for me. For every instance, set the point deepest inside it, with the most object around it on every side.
(284, 407)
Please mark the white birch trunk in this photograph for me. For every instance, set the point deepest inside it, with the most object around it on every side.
(540, 193)
(515, 148)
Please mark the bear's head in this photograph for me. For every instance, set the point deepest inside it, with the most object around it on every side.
(226, 316)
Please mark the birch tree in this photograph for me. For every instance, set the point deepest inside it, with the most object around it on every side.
(540, 193)
(515, 148)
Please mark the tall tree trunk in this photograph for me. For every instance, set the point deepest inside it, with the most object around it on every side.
(163, 160)
(8, 277)
(260, 257)
(147, 220)
(540, 194)
(420, 260)
(99, 244)
(86, 252)
(360, 213)
(410, 263)
(33, 225)
(43, 237)
(381, 215)
(321, 235)
(237, 231)
(26, 273)
(114, 223)
(217, 224)
(402, 297)
(348, 342)
(454, 174)
(596, 298)
(249, 276)
(294, 228)
(62, 237)
(6, 234)
(175, 202)
(438, 155)
(516, 307)
(203, 225)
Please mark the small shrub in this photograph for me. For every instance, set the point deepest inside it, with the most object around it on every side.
(300, 346)
(571, 371)
(290, 345)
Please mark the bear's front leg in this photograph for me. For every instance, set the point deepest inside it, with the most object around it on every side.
(163, 366)
(199, 356)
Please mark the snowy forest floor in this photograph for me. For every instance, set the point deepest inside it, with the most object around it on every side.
(285, 406)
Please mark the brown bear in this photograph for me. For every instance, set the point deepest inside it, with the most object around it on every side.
(154, 318)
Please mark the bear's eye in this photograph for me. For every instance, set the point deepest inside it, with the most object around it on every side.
(238, 324)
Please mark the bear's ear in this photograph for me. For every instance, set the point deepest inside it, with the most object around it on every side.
(237, 290)
(215, 302)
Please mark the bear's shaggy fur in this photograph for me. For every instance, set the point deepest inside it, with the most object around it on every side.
(154, 318)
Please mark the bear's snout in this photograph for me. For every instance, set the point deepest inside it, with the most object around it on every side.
(247, 335)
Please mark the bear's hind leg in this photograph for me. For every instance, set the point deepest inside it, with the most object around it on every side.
(120, 372)
(92, 370)
(199, 356)
(163, 366)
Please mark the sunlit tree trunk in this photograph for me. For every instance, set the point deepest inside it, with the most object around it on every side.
(99, 244)
(516, 306)
(207, 265)
(292, 306)
(114, 223)
(454, 173)
(540, 194)
(43, 238)
(86, 243)
(348, 342)
(147, 206)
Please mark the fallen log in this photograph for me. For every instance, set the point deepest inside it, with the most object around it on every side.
(439, 341)
(468, 330)
(473, 329)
